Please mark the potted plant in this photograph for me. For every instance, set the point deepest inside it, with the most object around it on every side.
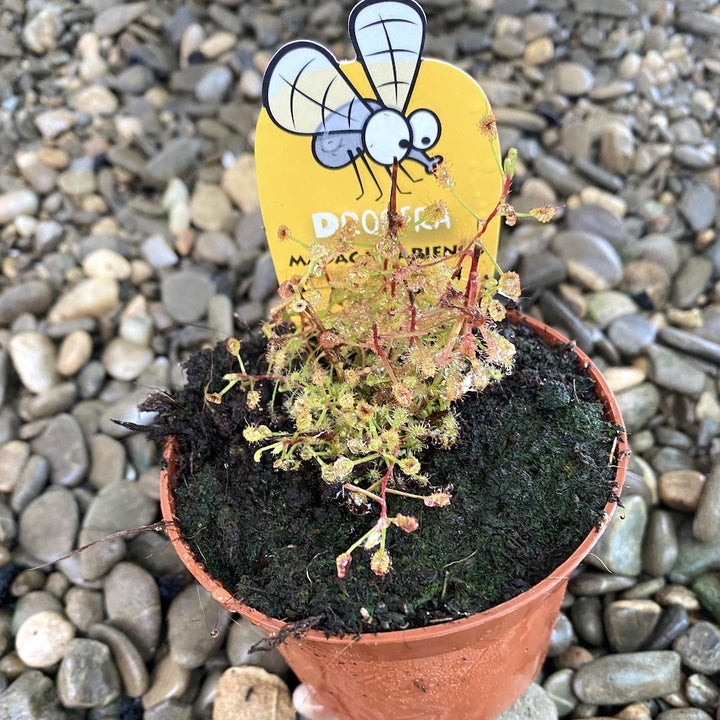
(397, 477)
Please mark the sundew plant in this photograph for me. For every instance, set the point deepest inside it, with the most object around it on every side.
(369, 364)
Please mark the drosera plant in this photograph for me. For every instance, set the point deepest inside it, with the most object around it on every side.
(370, 362)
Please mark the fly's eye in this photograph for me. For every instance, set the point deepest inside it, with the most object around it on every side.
(386, 137)
(425, 128)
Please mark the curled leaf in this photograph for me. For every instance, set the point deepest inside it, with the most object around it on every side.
(408, 523)
(509, 285)
(438, 499)
(409, 465)
(342, 563)
(256, 433)
(233, 345)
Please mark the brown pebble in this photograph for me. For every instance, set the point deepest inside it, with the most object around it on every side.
(681, 489)
(248, 693)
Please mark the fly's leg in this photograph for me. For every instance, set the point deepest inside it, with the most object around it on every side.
(402, 192)
(357, 175)
(411, 178)
(372, 175)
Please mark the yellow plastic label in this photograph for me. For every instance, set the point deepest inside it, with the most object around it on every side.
(328, 134)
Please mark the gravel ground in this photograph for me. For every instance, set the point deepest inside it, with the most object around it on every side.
(130, 236)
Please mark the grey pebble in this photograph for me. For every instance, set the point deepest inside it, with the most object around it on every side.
(691, 281)
(534, 703)
(126, 360)
(31, 603)
(590, 259)
(90, 379)
(125, 410)
(216, 247)
(599, 583)
(135, 80)
(523, 119)
(672, 623)
(596, 220)
(264, 281)
(169, 681)
(214, 84)
(626, 677)
(696, 158)
(541, 270)
(115, 18)
(49, 524)
(559, 313)
(197, 626)
(31, 296)
(647, 282)
(13, 456)
(565, 180)
(699, 22)
(87, 676)
(660, 249)
(56, 399)
(707, 589)
(698, 205)
(619, 547)
(607, 306)
(573, 79)
(176, 156)
(706, 522)
(558, 686)
(691, 343)
(31, 696)
(169, 710)
(241, 638)
(561, 637)
(121, 505)
(671, 371)
(33, 357)
(186, 294)
(629, 623)
(701, 692)
(132, 603)
(599, 176)
(587, 618)
(129, 662)
(684, 714)
(107, 460)
(660, 544)
(612, 8)
(694, 557)
(8, 525)
(84, 607)
(32, 480)
(699, 647)
(63, 444)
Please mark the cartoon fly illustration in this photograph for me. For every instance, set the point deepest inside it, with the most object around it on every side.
(306, 93)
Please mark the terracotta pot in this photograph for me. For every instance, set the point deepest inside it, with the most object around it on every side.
(469, 669)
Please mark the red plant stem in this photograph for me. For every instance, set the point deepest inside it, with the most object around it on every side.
(471, 287)
(392, 208)
(381, 353)
(384, 486)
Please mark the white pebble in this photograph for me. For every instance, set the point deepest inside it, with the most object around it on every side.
(42, 638)
(33, 357)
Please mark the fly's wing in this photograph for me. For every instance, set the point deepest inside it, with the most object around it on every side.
(304, 90)
(388, 38)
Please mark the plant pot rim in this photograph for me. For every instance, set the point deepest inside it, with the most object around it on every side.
(544, 587)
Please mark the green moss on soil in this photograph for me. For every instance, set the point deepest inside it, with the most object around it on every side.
(530, 475)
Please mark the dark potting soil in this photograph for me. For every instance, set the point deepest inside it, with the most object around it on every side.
(532, 471)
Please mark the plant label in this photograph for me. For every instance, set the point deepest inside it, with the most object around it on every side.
(329, 133)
